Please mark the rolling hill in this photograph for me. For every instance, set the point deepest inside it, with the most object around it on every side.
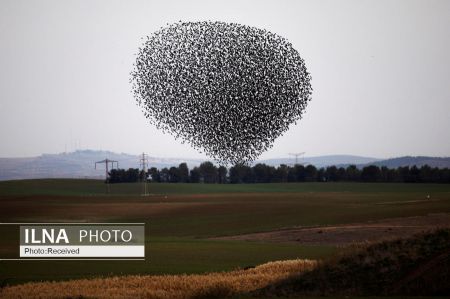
(78, 164)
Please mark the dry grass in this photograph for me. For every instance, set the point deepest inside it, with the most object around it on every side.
(212, 285)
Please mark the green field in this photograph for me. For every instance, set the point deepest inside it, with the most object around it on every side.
(95, 187)
(181, 217)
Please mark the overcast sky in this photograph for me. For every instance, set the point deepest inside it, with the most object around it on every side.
(380, 73)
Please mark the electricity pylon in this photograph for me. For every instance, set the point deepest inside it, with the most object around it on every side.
(296, 155)
(107, 162)
(144, 164)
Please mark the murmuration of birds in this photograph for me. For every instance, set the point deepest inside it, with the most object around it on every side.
(229, 90)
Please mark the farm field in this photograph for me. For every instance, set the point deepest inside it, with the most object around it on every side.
(187, 225)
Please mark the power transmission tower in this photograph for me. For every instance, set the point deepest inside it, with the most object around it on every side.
(296, 155)
(144, 164)
(107, 162)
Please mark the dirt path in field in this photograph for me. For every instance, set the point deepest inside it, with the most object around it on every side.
(350, 233)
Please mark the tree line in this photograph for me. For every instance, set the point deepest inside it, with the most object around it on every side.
(209, 173)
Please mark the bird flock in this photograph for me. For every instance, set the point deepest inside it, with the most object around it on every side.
(227, 89)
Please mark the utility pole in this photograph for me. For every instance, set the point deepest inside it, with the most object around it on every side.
(107, 162)
(296, 155)
(144, 164)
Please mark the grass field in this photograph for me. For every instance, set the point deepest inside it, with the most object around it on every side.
(416, 266)
(181, 217)
(95, 187)
(234, 284)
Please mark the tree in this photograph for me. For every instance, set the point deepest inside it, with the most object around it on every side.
(371, 174)
(292, 176)
(132, 175)
(444, 175)
(426, 173)
(352, 173)
(241, 173)
(208, 172)
(321, 177)
(222, 174)
(310, 173)
(174, 175)
(384, 174)
(331, 174)
(414, 174)
(300, 173)
(194, 175)
(281, 173)
(154, 174)
(183, 172)
(341, 174)
(262, 173)
(116, 176)
(403, 173)
(165, 175)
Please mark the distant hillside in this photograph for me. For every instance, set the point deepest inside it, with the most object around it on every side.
(322, 161)
(78, 164)
(411, 161)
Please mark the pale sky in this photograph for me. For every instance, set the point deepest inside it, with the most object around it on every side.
(380, 73)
